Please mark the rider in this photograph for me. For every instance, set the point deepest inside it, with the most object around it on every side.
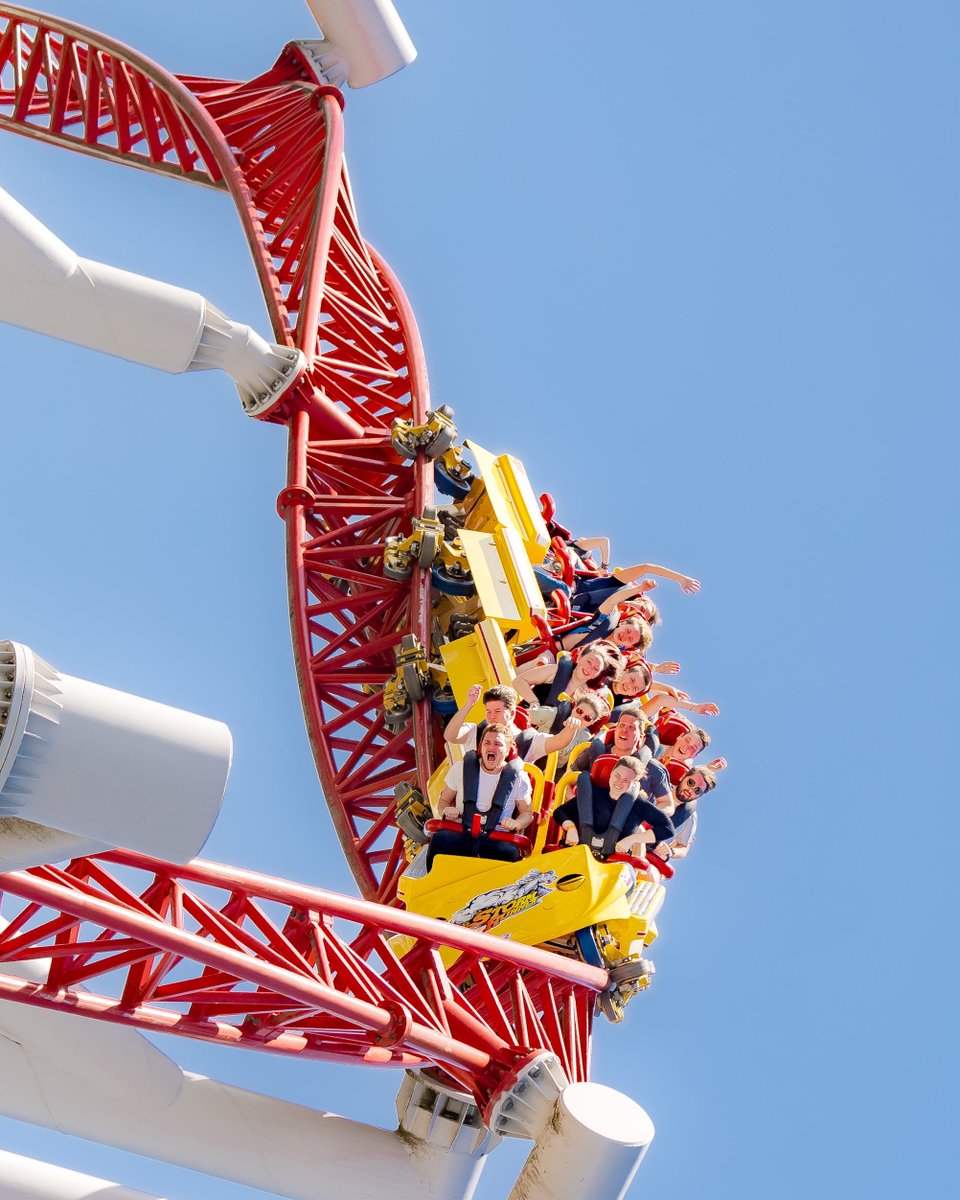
(610, 819)
(628, 633)
(500, 707)
(483, 792)
(546, 684)
(695, 783)
(631, 733)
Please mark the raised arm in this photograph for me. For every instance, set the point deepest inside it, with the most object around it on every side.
(658, 699)
(625, 593)
(454, 732)
(687, 583)
(596, 543)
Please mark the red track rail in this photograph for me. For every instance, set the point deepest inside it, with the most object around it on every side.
(276, 144)
(232, 957)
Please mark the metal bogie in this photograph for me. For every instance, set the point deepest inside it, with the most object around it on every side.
(421, 547)
(410, 683)
(397, 703)
(397, 560)
(413, 681)
(443, 701)
(453, 580)
(433, 436)
(452, 475)
(412, 812)
(430, 542)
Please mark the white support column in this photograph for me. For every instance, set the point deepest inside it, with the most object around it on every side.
(47, 288)
(591, 1148)
(111, 769)
(26, 1179)
(364, 41)
(207, 1126)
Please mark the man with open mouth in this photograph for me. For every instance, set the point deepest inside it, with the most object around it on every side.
(487, 792)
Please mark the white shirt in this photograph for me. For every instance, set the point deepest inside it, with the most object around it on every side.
(486, 787)
(536, 751)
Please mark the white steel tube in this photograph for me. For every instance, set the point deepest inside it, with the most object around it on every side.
(367, 36)
(26, 1179)
(223, 1131)
(47, 288)
(592, 1147)
(103, 765)
(119, 1060)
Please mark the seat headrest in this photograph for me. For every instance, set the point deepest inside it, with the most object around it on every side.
(602, 769)
(676, 769)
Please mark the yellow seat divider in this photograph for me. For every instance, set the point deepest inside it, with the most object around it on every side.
(502, 498)
(481, 657)
(507, 588)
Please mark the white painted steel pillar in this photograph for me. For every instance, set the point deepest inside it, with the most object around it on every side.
(47, 288)
(85, 765)
(364, 41)
(282, 1148)
(26, 1179)
(590, 1150)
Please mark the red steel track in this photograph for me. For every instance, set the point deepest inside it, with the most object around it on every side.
(229, 956)
(168, 957)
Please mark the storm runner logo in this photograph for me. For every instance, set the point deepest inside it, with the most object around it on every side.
(489, 909)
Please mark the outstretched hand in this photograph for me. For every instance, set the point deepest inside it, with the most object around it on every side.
(667, 668)
(474, 694)
(689, 585)
(717, 764)
(705, 710)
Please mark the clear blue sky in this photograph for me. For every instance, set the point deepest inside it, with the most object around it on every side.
(696, 264)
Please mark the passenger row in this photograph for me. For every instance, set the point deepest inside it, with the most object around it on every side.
(586, 693)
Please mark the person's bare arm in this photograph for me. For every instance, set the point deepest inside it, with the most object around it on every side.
(597, 543)
(625, 593)
(448, 808)
(660, 700)
(560, 741)
(571, 836)
(453, 732)
(527, 679)
(707, 709)
(687, 583)
(664, 668)
(524, 814)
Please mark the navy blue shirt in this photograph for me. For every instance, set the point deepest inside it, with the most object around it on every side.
(603, 809)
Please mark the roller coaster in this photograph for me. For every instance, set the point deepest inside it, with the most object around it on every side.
(415, 569)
